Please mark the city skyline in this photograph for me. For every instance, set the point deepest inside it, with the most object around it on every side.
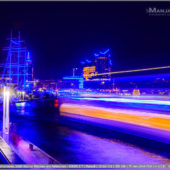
(61, 34)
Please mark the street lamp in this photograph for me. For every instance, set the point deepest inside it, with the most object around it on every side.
(6, 96)
(74, 69)
(23, 94)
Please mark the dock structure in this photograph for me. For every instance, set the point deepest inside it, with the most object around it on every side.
(16, 150)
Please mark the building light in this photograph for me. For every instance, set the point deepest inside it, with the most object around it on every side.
(88, 71)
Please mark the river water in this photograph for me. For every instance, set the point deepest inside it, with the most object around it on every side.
(74, 142)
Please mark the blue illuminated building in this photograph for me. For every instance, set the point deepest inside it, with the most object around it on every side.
(103, 61)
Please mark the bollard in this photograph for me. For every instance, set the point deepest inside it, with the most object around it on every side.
(51, 161)
(31, 147)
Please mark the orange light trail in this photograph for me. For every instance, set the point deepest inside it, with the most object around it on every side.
(141, 118)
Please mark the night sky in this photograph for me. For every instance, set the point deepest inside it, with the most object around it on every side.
(61, 34)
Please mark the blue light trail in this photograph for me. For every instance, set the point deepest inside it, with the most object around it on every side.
(141, 101)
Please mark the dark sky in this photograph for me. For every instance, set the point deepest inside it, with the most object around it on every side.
(61, 34)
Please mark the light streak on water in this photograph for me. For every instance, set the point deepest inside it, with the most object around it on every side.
(141, 101)
(140, 118)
